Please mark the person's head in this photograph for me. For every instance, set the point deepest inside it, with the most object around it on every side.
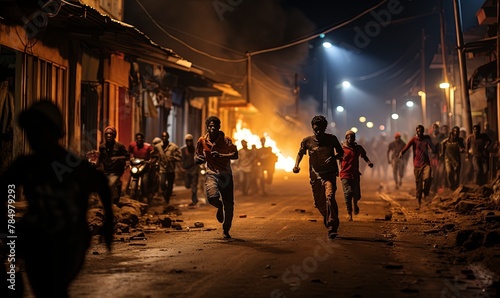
(164, 137)
(254, 147)
(43, 124)
(435, 127)
(397, 136)
(213, 125)
(139, 139)
(189, 139)
(156, 141)
(476, 129)
(445, 129)
(319, 124)
(263, 141)
(244, 144)
(110, 134)
(350, 137)
(455, 132)
(420, 130)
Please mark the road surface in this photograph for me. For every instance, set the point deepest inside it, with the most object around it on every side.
(280, 249)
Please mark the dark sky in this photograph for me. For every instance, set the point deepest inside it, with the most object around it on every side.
(382, 63)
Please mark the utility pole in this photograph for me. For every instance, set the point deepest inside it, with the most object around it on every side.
(249, 75)
(462, 65)
(498, 69)
(423, 95)
(449, 108)
(296, 91)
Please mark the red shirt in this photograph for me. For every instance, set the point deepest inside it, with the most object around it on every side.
(350, 163)
(143, 153)
(222, 145)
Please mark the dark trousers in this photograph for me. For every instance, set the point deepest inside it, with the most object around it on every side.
(167, 185)
(479, 165)
(220, 194)
(423, 179)
(115, 186)
(352, 191)
(324, 200)
(191, 181)
(453, 175)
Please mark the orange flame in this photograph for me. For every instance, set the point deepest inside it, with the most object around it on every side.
(243, 133)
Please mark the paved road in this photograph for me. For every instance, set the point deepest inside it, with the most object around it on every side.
(280, 249)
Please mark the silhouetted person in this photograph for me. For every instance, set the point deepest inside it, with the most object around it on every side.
(53, 235)
(267, 160)
(217, 150)
(324, 149)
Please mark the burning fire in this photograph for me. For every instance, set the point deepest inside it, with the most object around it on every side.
(243, 133)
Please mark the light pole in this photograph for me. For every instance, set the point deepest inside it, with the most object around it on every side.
(423, 99)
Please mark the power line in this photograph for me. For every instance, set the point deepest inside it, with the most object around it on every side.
(187, 45)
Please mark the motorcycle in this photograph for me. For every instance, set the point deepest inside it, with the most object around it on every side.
(138, 168)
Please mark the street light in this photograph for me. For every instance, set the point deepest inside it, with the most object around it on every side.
(450, 100)
(362, 119)
(327, 44)
(410, 104)
(346, 84)
(423, 98)
(340, 109)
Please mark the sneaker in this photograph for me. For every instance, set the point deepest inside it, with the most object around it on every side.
(226, 235)
(332, 234)
(356, 208)
(220, 215)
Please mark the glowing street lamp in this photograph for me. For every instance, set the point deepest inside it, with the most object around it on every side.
(340, 109)
(346, 84)
(395, 116)
(444, 85)
(369, 124)
(362, 119)
(327, 44)
(410, 104)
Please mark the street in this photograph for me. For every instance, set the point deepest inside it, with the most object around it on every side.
(280, 249)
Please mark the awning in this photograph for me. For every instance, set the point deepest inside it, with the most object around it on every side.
(98, 31)
(484, 75)
(230, 97)
(194, 91)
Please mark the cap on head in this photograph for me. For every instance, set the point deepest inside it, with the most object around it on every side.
(350, 132)
(397, 135)
(112, 128)
(189, 137)
(156, 140)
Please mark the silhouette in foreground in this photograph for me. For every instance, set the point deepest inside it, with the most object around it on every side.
(53, 235)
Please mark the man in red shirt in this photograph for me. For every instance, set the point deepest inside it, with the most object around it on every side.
(141, 150)
(349, 172)
(421, 145)
(217, 150)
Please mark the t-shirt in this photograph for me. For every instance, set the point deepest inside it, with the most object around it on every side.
(322, 153)
(143, 153)
(421, 149)
(223, 145)
(349, 165)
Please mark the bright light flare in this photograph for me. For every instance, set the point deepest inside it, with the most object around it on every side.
(381, 127)
(362, 119)
(444, 85)
(327, 44)
(410, 104)
(285, 163)
(395, 116)
(346, 84)
(340, 109)
(369, 124)
(355, 129)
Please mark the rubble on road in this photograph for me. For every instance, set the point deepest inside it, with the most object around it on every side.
(471, 219)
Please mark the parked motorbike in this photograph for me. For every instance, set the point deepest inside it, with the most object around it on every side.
(138, 168)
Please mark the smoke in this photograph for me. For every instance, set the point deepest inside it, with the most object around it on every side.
(229, 29)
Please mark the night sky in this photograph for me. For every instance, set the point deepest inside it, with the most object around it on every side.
(381, 64)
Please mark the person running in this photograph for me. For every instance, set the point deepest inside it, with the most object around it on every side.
(421, 145)
(349, 172)
(217, 150)
(324, 149)
(451, 148)
(398, 165)
(113, 157)
(53, 235)
(190, 168)
(477, 147)
(169, 154)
